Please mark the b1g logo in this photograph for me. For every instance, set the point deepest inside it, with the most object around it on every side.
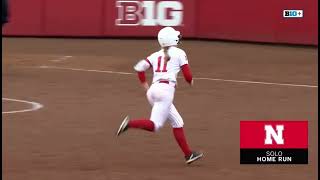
(149, 13)
(293, 13)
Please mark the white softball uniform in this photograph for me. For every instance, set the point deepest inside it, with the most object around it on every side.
(161, 93)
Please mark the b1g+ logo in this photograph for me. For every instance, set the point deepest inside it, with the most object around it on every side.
(292, 13)
(149, 13)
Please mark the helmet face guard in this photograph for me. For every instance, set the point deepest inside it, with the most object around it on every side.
(180, 37)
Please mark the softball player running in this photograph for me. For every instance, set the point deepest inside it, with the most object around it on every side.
(166, 65)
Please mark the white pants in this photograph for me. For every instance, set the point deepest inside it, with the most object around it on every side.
(160, 97)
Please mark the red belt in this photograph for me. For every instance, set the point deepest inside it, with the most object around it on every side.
(164, 81)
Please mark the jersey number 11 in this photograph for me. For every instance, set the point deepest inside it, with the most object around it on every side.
(164, 69)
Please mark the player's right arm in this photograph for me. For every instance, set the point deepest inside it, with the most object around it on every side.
(140, 68)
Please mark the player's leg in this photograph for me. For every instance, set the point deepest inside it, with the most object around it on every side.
(176, 122)
(159, 114)
(145, 124)
(157, 119)
(160, 100)
(175, 118)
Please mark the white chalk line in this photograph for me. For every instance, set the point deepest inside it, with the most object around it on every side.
(35, 106)
(87, 70)
(199, 78)
(61, 58)
(260, 82)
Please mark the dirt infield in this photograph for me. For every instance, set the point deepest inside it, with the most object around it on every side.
(86, 87)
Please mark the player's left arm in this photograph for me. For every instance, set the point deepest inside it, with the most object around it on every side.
(140, 68)
(185, 68)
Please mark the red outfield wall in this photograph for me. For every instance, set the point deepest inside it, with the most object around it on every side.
(247, 20)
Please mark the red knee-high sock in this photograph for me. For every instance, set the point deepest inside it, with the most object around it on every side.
(142, 124)
(181, 140)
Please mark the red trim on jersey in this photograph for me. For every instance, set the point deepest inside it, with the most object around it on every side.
(149, 62)
(142, 76)
(186, 73)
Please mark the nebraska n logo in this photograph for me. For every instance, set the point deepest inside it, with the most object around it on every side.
(277, 136)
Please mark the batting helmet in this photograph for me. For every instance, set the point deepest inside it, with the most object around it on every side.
(168, 37)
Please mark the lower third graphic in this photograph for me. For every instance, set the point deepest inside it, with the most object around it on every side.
(274, 142)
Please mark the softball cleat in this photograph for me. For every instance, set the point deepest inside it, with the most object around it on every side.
(193, 157)
(124, 126)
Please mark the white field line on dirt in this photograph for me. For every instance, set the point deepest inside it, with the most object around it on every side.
(199, 78)
(62, 58)
(34, 106)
